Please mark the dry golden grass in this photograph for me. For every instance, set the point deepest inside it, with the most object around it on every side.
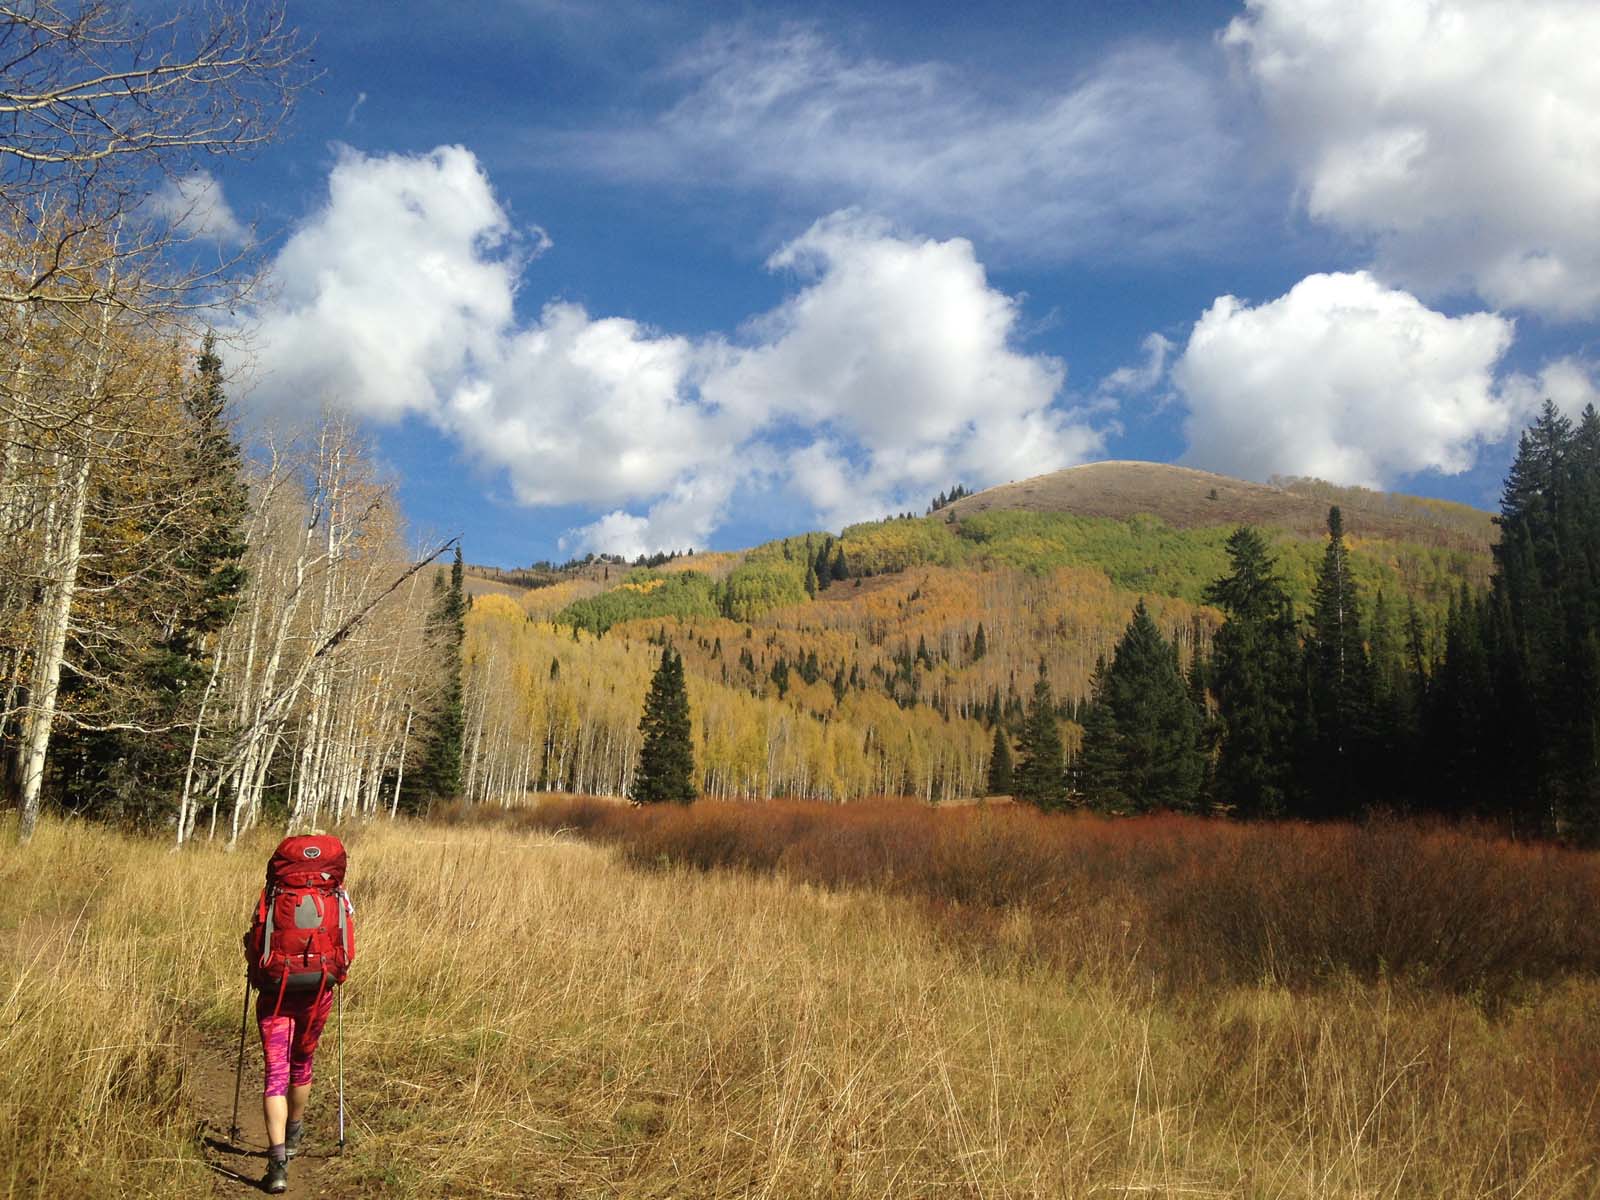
(530, 1017)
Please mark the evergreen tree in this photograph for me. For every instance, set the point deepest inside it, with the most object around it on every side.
(1146, 710)
(1338, 684)
(164, 668)
(822, 565)
(1208, 727)
(1039, 777)
(1097, 771)
(217, 553)
(1000, 773)
(1396, 709)
(1543, 633)
(1461, 708)
(666, 757)
(1255, 678)
(439, 776)
(980, 643)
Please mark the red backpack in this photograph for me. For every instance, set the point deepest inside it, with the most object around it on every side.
(303, 935)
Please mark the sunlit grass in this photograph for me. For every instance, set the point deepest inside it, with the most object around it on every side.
(530, 1016)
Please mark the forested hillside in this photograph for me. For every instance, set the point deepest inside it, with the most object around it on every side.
(882, 660)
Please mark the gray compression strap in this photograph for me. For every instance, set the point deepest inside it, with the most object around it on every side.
(266, 939)
(344, 924)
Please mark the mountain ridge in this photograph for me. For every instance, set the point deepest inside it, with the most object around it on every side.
(1190, 498)
(1183, 497)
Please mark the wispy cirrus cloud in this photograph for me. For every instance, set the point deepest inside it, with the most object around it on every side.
(194, 204)
(1139, 154)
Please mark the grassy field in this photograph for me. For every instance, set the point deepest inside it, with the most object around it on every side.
(535, 1016)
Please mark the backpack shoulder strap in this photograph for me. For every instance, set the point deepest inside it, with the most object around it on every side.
(344, 921)
(268, 895)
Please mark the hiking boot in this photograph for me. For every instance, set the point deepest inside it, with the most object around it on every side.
(276, 1180)
(292, 1140)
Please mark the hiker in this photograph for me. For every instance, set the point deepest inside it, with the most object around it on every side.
(298, 951)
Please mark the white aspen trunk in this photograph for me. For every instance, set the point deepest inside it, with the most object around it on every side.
(262, 743)
(559, 774)
(477, 736)
(52, 648)
(216, 801)
(400, 766)
(349, 769)
(527, 772)
(312, 745)
(186, 806)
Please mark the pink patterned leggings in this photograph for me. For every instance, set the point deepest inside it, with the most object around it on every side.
(289, 1040)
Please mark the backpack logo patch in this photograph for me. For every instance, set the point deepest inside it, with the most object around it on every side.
(312, 852)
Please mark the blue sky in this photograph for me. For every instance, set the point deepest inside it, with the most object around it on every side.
(627, 277)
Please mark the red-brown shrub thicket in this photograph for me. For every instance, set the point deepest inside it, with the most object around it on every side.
(1192, 900)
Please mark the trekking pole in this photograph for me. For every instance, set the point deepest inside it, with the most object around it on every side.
(339, 1002)
(238, 1071)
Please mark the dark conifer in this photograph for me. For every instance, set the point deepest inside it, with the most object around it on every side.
(1039, 777)
(120, 772)
(1338, 683)
(1145, 701)
(666, 757)
(822, 565)
(439, 777)
(1254, 675)
(1097, 771)
(1000, 773)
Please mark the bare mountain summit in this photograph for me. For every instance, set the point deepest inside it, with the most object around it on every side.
(1187, 499)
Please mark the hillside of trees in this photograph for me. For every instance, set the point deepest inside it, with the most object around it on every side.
(1123, 664)
(891, 658)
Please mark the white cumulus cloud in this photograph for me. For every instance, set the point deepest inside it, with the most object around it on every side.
(684, 518)
(1461, 137)
(587, 410)
(1345, 379)
(392, 291)
(890, 371)
(1567, 382)
(899, 354)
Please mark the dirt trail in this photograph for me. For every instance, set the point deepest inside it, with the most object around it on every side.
(239, 1164)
